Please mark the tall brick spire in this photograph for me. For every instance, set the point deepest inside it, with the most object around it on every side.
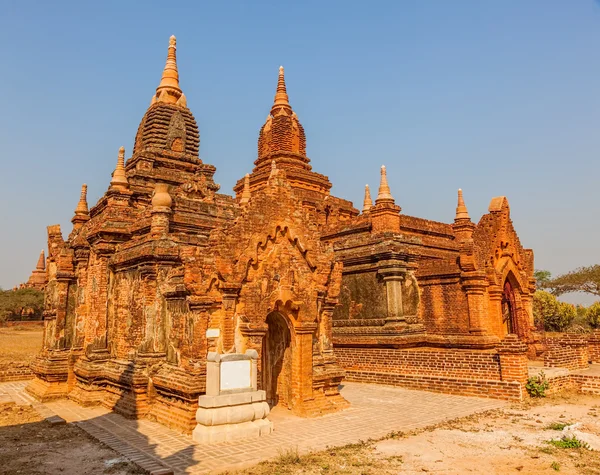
(282, 138)
(168, 90)
(368, 202)
(384, 194)
(461, 209)
(168, 124)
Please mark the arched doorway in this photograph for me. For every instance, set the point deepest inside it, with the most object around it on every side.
(509, 308)
(277, 361)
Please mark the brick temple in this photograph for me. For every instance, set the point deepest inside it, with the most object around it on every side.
(164, 269)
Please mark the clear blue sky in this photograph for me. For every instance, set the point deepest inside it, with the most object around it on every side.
(498, 98)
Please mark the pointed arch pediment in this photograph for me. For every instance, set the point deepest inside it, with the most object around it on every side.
(280, 234)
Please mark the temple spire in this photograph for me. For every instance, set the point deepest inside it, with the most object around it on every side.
(461, 209)
(168, 90)
(368, 202)
(82, 206)
(41, 264)
(384, 194)
(281, 97)
(246, 195)
(119, 179)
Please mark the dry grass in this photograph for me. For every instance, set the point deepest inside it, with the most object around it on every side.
(19, 345)
(354, 459)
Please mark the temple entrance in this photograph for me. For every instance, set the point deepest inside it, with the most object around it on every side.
(277, 361)
(509, 309)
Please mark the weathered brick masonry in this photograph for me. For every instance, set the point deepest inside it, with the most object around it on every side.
(569, 351)
(163, 269)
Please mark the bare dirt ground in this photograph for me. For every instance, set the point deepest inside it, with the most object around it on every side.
(19, 345)
(512, 440)
(30, 446)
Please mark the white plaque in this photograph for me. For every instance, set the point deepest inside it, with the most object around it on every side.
(213, 333)
(235, 374)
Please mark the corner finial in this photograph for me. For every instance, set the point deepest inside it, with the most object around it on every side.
(246, 195)
(82, 206)
(281, 97)
(41, 264)
(384, 194)
(461, 209)
(273, 168)
(119, 178)
(168, 90)
(368, 203)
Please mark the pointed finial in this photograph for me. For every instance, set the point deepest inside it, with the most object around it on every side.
(281, 97)
(168, 90)
(384, 189)
(82, 206)
(461, 209)
(41, 264)
(246, 195)
(368, 203)
(119, 178)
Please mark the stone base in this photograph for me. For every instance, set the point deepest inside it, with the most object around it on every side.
(45, 391)
(320, 405)
(234, 416)
(175, 397)
(87, 395)
(51, 372)
(229, 432)
(174, 413)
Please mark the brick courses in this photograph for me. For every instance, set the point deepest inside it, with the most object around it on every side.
(163, 260)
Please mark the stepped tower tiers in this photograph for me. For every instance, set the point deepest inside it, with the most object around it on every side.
(167, 142)
(162, 258)
(163, 273)
(282, 140)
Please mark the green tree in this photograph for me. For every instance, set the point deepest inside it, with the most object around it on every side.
(14, 303)
(542, 277)
(593, 315)
(583, 279)
(551, 313)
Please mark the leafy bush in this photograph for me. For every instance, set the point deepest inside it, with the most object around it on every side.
(558, 425)
(593, 315)
(567, 442)
(550, 313)
(537, 385)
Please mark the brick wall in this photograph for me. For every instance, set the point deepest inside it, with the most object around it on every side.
(570, 351)
(15, 373)
(508, 390)
(465, 364)
(594, 347)
(463, 372)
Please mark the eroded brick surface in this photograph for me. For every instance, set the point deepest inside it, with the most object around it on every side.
(164, 268)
